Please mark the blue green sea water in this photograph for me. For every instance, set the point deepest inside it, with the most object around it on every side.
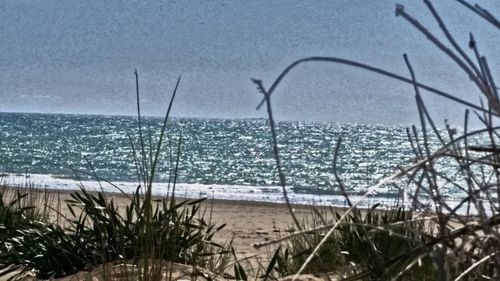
(220, 158)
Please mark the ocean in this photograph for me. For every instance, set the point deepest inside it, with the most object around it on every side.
(219, 158)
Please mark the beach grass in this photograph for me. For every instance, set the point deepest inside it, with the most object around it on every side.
(147, 234)
(143, 239)
(363, 243)
(464, 244)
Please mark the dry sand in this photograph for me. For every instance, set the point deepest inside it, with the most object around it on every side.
(246, 222)
(253, 222)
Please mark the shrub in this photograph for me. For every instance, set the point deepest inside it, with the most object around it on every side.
(466, 243)
(364, 242)
(147, 234)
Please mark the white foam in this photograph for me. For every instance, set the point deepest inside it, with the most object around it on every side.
(195, 191)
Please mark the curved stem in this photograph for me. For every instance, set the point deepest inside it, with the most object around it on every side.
(369, 68)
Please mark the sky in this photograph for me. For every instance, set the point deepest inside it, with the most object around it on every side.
(79, 57)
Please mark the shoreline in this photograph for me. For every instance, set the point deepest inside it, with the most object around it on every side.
(247, 222)
(237, 192)
(115, 194)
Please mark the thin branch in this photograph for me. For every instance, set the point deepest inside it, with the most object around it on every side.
(476, 264)
(482, 13)
(281, 175)
(141, 139)
(337, 178)
(485, 90)
(366, 67)
(450, 38)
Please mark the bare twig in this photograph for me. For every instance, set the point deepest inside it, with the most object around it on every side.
(482, 13)
(281, 175)
(337, 178)
(366, 67)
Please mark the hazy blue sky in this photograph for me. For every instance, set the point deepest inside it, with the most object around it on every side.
(79, 57)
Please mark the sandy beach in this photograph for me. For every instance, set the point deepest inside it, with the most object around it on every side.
(246, 222)
(253, 222)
